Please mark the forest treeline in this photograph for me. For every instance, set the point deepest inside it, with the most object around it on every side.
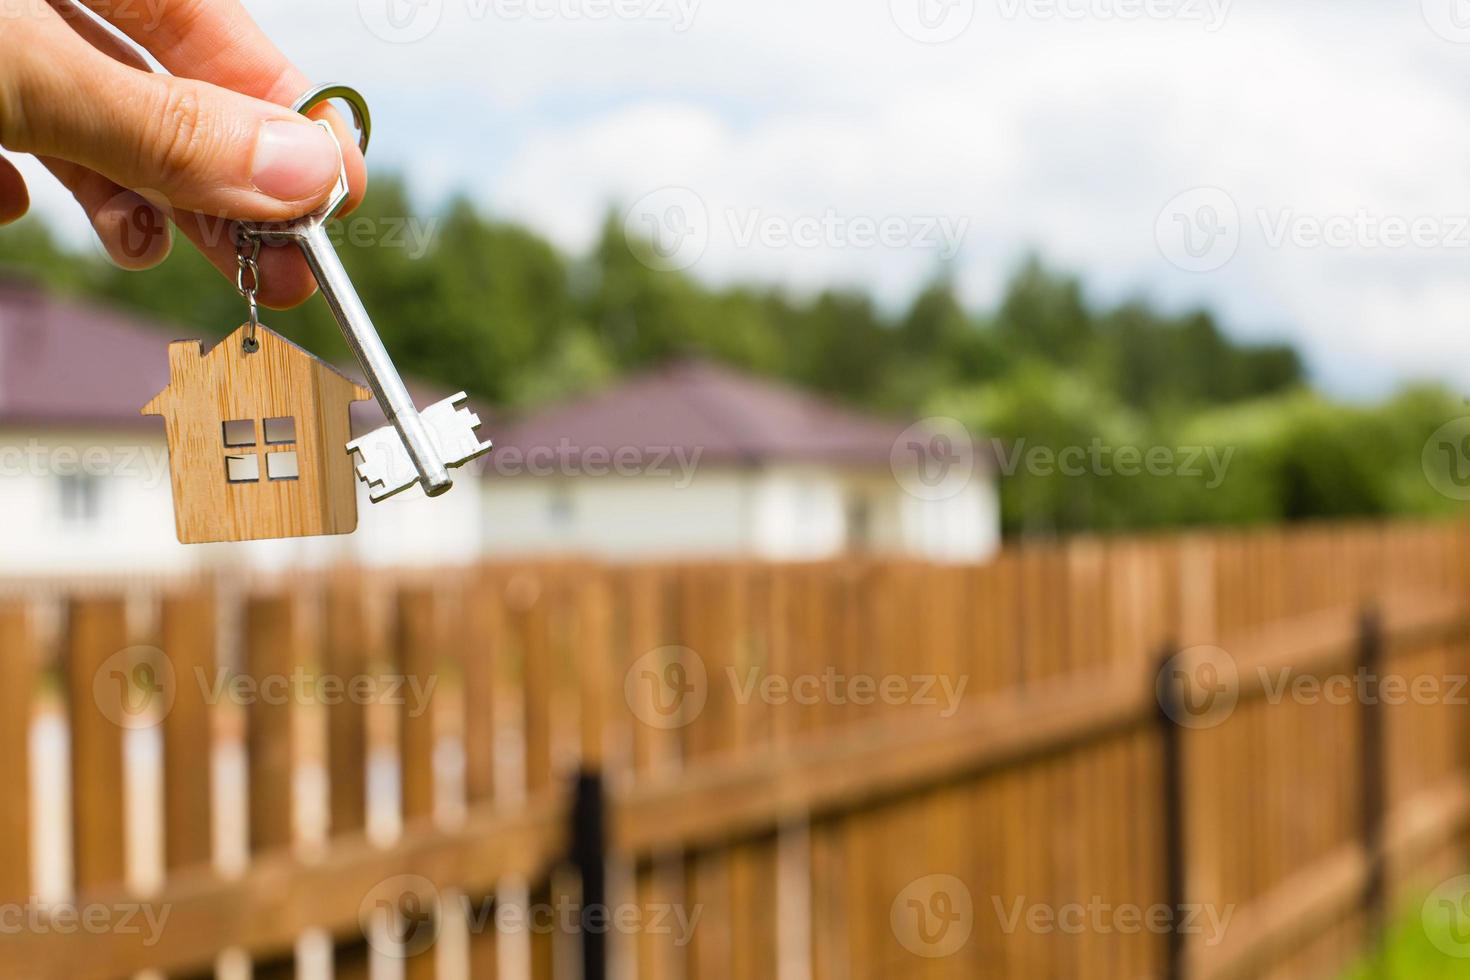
(469, 301)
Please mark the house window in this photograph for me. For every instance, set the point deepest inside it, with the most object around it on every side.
(240, 433)
(280, 432)
(559, 507)
(281, 460)
(242, 469)
(282, 466)
(81, 495)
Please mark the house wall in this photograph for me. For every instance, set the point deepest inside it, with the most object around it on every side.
(129, 526)
(783, 513)
(616, 516)
(86, 501)
(961, 528)
(778, 513)
(412, 529)
(799, 513)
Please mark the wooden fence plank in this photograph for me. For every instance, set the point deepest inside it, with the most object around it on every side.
(419, 649)
(280, 896)
(103, 694)
(273, 648)
(187, 637)
(528, 600)
(1032, 792)
(481, 642)
(655, 751)
(19, 665)
(593, 656)
(480, 656)
(724, 799)
(346, 654)
(347, 650)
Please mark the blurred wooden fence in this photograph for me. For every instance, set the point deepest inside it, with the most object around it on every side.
(841, 771)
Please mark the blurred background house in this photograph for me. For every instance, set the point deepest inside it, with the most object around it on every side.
(692, 460)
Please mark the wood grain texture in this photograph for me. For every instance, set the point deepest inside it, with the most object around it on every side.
(1043, 788)
(18, 667)
(187, 637)
(419, 654)
(280, 895)
(347, 641)
(480, 641)
(273, 647)
(346, 655)
(280, 380)
(100, 693)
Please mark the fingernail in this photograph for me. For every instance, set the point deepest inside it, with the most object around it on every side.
(294, 161)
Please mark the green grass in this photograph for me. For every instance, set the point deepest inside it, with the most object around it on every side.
(1409, 955)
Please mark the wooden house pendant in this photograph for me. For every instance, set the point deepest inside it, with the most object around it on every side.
(259, 435)
(256, 437)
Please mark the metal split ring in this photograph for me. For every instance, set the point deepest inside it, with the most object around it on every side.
(248, 246)
(361, 116)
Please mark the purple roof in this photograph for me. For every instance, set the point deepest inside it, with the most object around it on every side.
(66, 362)
(69, 362)
(63, 362)
(694, 405)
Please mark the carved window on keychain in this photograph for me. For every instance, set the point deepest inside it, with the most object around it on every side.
(281, 461)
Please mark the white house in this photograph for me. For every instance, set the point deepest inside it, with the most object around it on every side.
(689, 460)
(694, 459)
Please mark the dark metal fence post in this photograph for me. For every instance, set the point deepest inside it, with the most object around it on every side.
(1375, 885)
(1171, 754)
(589, 857)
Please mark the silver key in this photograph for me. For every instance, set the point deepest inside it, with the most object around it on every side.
(383, 464)
(310, 233)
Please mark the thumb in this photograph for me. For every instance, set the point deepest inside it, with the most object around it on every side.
(202, 147)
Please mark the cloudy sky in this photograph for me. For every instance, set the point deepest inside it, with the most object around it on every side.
(1302, 168)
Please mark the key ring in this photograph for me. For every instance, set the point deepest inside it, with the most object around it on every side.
(247, 246)
(361, 116)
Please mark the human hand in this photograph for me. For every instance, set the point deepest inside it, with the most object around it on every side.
(211, 141)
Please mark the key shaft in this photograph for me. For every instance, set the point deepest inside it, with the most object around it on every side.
(362, 337)
(310, 233)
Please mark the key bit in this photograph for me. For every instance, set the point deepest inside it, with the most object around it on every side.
(384, 464)
(310, 233)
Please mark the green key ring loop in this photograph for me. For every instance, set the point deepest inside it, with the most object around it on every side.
(360, 114)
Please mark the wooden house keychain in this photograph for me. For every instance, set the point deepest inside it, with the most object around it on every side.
(259, 433)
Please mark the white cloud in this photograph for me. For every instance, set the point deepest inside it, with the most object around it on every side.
(1063, 133)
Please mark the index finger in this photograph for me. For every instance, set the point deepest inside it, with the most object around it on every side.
(217, 41)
